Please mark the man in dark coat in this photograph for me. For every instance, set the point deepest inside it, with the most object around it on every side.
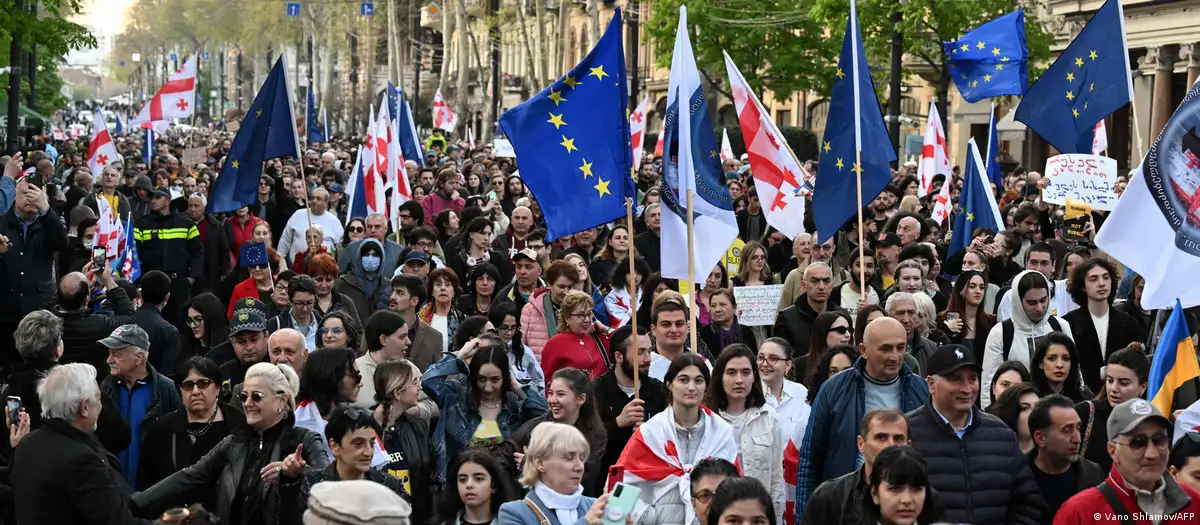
(649, 242)
(795, 321)
(1057, 467)
(164, 337)
(30, 234)
(82, 327)
(215, 242)
(60, 472)
(619, 411)
(974, 459)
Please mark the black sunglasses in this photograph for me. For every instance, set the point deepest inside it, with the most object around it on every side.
(203, 383)
(840, 329)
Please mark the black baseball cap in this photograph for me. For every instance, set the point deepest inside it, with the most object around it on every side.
(885, 239)
(949, 358)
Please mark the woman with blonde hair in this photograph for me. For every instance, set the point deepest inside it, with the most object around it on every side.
(581, 342)
(256, 469)
(553, 470)
(405, 437)
(752, 266)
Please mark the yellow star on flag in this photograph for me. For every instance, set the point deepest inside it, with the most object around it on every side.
(839, 73)
(839, 164)
(1075, 112)
(970, 216)
(258, 113)
(1070, 95)
(1092, 55)
(568, 143)
(1079, 61)
(965, 47)
(857, 168)
(1070, 77)
(235, 164)
(995, 51)
(586, 168)
(1092, 87)
(987, 78)
(556, 97)
(713, 154)
(598, 72)
(980, 45)
(1004, 59)
(827, 148)
(974, 83)
(570, 81)
(999, 67)
(602, 187)
(557, 120)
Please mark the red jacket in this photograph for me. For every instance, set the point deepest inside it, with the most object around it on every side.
(1089, 506)
(569, 350)
(240, 234)
(243, 290)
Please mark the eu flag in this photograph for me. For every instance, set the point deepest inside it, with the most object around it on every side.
(268, 131)
(990, 60)
(1088, 81)
(311, 124)
(855, 124)
(406, 130)
(994, 173)
(572, 140)
(976, 205)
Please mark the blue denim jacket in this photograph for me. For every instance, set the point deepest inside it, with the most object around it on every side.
(458, 421)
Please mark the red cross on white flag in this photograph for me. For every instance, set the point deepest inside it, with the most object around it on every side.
(443, 116)
(101, 151)
(934, 159)
(175, 99)
(637, 132)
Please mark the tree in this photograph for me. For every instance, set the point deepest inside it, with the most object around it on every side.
(925, 25)
(53, 35)
(774, 42)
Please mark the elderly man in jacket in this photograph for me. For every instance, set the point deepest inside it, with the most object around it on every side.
(974, 459)
(82, 327)
(902, 306)
(141, 393)
(30, 234)
(60, 472)
(879, 379)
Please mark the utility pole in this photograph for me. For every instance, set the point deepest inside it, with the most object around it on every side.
(32, 70)
(894, 99)
(494, 42)
(631, 42)
(14, 87)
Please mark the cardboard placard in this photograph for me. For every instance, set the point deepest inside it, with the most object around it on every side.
(1090, 179)
(503, 148)
(193, 156)
(757, 305)
(1075, 220)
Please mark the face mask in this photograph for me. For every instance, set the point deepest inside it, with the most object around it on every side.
(370, 263)
(89, 242)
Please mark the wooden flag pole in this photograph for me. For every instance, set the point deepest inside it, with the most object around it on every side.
(1137, 132)
(691, 245)
(862, 277)
(633, 301)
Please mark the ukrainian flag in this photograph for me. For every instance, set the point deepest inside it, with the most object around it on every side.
(1174, 361)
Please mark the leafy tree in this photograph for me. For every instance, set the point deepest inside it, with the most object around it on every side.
(54, 37)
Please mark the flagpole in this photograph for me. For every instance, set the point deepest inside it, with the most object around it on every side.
(633, 299)
(1137, 131)
(691, 248)
(854, 39)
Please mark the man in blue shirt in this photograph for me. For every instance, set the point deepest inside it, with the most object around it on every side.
(141, 393)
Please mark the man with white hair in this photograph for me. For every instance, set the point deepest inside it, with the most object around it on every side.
(213, 239)
(141, 393)
(327, 160)
(60, 473)
(286, 346)
(902, 306)
(292, 242)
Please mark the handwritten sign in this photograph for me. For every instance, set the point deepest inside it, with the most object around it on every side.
(503, 148)
(757, 304)
(1075, 221)
(1090, 179)
(194, 156)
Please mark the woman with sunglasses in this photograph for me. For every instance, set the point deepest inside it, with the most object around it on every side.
(207, 323)
(324, 270)
(255, 471)
(578, 344)
(828, 329)
(413, 457)
(338, 330)
(260, 284)
(184, 436)
(355, 230)
(353, 445)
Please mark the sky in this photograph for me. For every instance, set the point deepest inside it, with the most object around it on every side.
(107, 16)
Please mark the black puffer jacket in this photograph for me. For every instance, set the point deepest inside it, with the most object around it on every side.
(983, 477)
(408, 442)
(841, 500)
(83, 329)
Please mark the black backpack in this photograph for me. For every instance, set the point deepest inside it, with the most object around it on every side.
(1009, 331)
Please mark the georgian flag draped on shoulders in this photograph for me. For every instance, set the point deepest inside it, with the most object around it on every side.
(778, 177)
(175, 99)
(101, 151)
(651, 459)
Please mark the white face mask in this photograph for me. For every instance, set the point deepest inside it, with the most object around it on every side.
(89, 242)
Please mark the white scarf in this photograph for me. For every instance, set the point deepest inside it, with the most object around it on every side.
(565, 506)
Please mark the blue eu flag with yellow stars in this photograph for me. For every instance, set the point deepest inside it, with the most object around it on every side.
(315, 132)
(1088, 81)
(572, 140)
(990, 60)
(855, 124)
(976, 205)
(268, 131)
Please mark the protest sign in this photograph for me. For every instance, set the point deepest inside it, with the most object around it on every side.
(757, 304)
(1089, 179)
(503, 148)
(1076, 218)
(193, 156)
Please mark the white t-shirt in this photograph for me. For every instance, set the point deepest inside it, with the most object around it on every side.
(441, 323)
(1101, 324)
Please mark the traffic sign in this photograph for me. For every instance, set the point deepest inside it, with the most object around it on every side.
(174, 57)
(367, 9)
(204, 55)
(293, 8)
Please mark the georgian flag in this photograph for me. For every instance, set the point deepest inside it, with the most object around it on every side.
(651, 459)
(726, 149)
(101, 151)
(109, 232)
(443, 116)
(934, 159)
(373, 182)
(1099, 139)
(637, 132)
(176, 99)
(941, 203)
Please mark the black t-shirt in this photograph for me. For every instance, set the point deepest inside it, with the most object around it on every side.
(1056, 488)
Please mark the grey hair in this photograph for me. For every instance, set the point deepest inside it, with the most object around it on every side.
(550, 439)
(927, 311)
(376, 216)
(198, 195)
(39, 336)
(896, 297)
(324, 194)
(64, 388)
(651, 207)
(279, 378)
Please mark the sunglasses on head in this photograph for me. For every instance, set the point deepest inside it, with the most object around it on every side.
(203, 383)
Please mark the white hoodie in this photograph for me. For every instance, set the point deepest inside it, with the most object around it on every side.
(1025, 337)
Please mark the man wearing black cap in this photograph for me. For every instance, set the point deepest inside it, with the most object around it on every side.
(974, 459)
(170, 243)
(887, 257)
(248, 334)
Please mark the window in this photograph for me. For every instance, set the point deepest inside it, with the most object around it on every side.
(817, 113)
(783, 117)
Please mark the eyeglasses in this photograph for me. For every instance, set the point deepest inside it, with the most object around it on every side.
(264, 183)
(703, 497)
(1139, 442)
(585, 316)
(304, 304)
(256, 397)
(507, 328)
(335, 331)
(770, 359)
(840, 329)
(195, 321)
(356, 229)
(281, 286)
(188, 385)
(424, 244)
